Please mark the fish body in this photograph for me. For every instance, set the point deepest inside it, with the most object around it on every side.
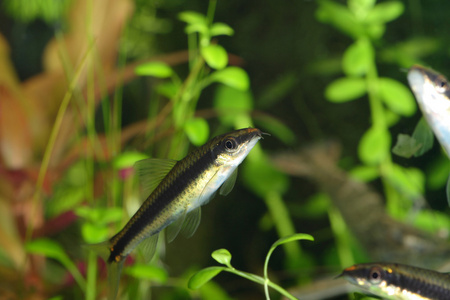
(176, 200)
(432, 92)
(399, 282)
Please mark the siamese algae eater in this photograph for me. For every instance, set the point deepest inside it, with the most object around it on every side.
(176, 195)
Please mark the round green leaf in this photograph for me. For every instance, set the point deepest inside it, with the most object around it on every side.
(155, 69)
(397, 97)
(203, 276)
(197, 131)
(192, 17)
(232, 76)
(127, 159)
(358, 58)
(222, 256)
(148, 272)
(221, 29)
(340, 17)
(215, 56)
(374, 145)
(345, 89)
(385, 12)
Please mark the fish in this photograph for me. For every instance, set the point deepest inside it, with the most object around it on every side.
(399, 281)
(432, 92)
(176, 190)
(363, 209)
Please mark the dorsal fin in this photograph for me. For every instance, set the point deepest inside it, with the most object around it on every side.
(151, 172)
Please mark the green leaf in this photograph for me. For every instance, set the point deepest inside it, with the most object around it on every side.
(192, 17)
(222, 256)
(365, 173)
(167, 89)
(291, 238)
(374, 145)
(358, 58)
(47, 248)
(215, 56)
(397, 97)
(93, 233)
(360, 8)
(197, 27)
(127, 159)
(221, 29)
(148, 272)
(424, 136)
(234, 77)
(203, 276)
(197, 131)
(406, 146)
(385, 12)
(100, 215)
(232, 104)
(345, 89)
(340, 17)
(156, 69)
(410, 181)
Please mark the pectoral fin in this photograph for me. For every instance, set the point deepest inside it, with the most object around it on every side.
(228, 185)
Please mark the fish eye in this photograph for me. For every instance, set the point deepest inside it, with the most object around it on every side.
(375, 275)
(441, 84)
(230, 144)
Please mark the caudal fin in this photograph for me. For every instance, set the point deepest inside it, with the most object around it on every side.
(114, 268)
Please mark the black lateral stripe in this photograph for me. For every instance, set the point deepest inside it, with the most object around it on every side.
(179, 178)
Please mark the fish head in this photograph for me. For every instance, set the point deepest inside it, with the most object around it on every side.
(230, 149)
(432, 89)
(372, 277)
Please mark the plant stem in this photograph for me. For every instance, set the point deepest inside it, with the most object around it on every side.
(260, 280)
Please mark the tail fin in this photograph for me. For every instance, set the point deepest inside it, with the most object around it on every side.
(114, 268)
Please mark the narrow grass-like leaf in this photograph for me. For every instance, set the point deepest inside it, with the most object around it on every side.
(197, 130)
(203, 276)
(276, 128)
(155, 69)
(215, 56)
(345, 89)
(232, 76)
(222, 256)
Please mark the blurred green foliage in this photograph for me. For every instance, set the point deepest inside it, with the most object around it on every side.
(245, 64)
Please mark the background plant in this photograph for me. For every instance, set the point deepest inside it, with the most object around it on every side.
(114, 118)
